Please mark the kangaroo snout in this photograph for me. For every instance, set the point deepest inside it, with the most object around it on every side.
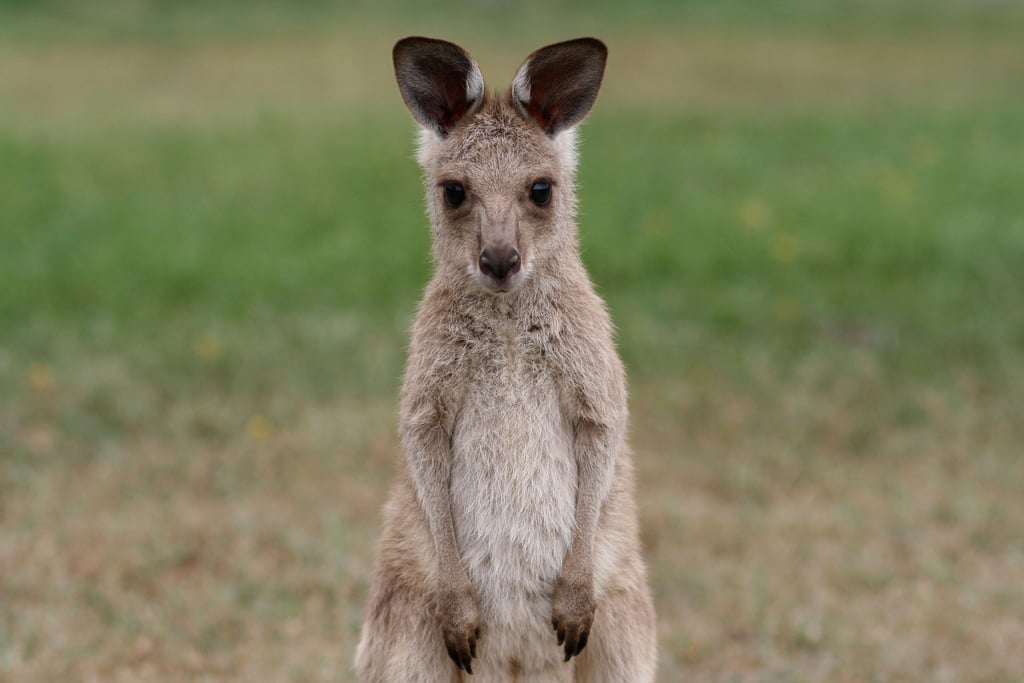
(500, 262)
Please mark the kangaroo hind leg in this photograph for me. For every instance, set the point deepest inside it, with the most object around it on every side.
(622, 647)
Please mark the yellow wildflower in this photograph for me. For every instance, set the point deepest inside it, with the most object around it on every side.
(39, 377)
(259, 428)
(785, 247)
(207, 346)
(753, 214)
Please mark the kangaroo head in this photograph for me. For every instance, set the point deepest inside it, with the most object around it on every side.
(499, 170)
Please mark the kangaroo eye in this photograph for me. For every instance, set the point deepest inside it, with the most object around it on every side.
(540, 193)
(454, 194)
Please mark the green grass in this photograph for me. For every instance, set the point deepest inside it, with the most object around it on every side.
(806, 219)
(900, 231)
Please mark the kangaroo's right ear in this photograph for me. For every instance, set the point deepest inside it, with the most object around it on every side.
(557, 85)
(440, 82)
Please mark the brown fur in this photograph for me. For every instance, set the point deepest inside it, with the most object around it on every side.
(514, 519)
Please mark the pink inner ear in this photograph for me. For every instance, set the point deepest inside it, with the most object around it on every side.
(541, 114)
(548, 94)
(456, 104)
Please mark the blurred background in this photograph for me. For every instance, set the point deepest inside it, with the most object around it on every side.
(807, 218)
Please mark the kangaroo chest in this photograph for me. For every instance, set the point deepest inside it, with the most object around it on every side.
(513, 484)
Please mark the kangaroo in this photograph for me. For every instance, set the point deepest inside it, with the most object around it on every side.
(510, 547)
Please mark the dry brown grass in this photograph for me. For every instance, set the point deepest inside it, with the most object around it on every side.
(822, 530)
(834, 533)
(341, 72)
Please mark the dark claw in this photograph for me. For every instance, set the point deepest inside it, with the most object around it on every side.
(461, 657)
(583, 641)
(561, 636)
(570, 643)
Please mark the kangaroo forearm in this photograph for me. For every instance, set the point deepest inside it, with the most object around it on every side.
(595, 451)
(437, 509)
(429, 460)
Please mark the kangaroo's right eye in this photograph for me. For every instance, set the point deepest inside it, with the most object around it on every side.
(454, 194)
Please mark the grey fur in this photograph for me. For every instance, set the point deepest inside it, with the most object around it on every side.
(510, 545)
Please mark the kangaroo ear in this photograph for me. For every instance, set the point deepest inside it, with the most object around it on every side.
(440, 82)
(557, 85)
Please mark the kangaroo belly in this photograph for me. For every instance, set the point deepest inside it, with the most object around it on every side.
(513, 489)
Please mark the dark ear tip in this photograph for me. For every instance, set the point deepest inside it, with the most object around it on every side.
(408, 43)
(587, 42)
(409, 40)
(596, 44)
(412, 42)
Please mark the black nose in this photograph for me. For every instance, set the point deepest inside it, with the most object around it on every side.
(499, 262)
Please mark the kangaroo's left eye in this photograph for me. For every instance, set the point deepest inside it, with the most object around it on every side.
(540, 193)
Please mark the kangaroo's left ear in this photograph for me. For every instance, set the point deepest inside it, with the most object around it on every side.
(439, 81)
(557, 85)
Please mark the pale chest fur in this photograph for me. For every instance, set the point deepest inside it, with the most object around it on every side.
(513, 484)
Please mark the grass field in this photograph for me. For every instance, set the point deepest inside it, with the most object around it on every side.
(807, 219)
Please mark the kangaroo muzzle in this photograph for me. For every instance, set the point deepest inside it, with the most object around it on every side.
(500, 262)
